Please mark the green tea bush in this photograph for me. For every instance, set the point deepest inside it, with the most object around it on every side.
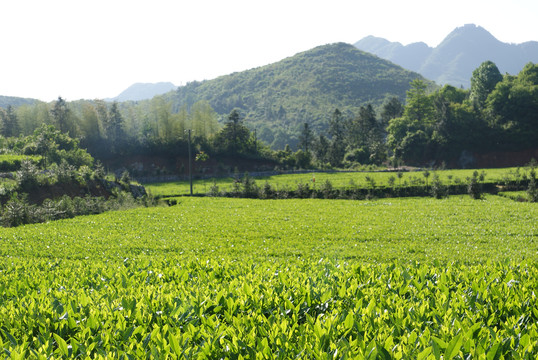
(438, 190)
(216, 278)
(474, 187)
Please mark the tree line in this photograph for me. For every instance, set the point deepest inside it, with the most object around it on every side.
(498, 112)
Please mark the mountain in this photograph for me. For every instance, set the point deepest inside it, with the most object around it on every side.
(15, 101)
(143, 91)
(307, 87)
(455, 58)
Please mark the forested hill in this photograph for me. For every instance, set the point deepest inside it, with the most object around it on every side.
(5, 101)
(306, 88)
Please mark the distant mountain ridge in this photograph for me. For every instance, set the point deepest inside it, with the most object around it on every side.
(279, 98)
(15, 101)
(454, 59)
(143, 91)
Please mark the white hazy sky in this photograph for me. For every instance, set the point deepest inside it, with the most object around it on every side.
(95, 49)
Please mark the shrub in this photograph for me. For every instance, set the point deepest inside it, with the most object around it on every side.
(125, 177)
(474, 187)
(303, 190)
(15, 211)
(28, 176)
(65, 172)
(267, 191)
(326, 189)
(532, 191)
(250, 189)
(214, 190)
(99, 170)
(438, 190)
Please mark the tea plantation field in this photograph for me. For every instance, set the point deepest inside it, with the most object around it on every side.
(215, 278)
(342, 180)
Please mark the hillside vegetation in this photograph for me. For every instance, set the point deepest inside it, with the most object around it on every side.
(5, 101)
(335, 106)
(306, 88)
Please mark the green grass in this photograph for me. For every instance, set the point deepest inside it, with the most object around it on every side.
(219, 278)
(338, 180)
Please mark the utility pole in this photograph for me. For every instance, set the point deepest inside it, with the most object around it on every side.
(190, 160)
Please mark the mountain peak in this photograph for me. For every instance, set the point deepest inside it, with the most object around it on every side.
(144, 91)
(455, 58)
(471, 33)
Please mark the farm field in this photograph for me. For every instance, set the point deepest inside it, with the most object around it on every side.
(263, 279)
(338, 180)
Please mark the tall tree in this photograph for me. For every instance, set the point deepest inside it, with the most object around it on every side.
(89, 124)
(483, 81)
(363, 130)
(203, 119)
(102, 114)
(10, 126)
(306, 138)
(512, 109)
(162, 118)
(321, 149)
(337, 147)
(235, 137)
(60, 113)
(419, 107)
(391, 110)
(409, 135)
(117, 133)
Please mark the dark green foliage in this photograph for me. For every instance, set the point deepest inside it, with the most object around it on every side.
(365, 138)
(392, 109)
(53, 193)
(125, 177)
(498, 114)
(250, 189)
(27, 176)
(235, 137)
(115, 128)
(327, 190)
(512, 110)
(267, 191)
(303, 190)
(61, 115)
(9, 124)
(474, 186)
(337, 147)
(214, 189)
(438, 190)
(65, 172)
(303, 88)
(483, 81)
(306, 138)
(321, 147)
(292, 103)
(532, 190)
(303, 159)
(19, 211)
